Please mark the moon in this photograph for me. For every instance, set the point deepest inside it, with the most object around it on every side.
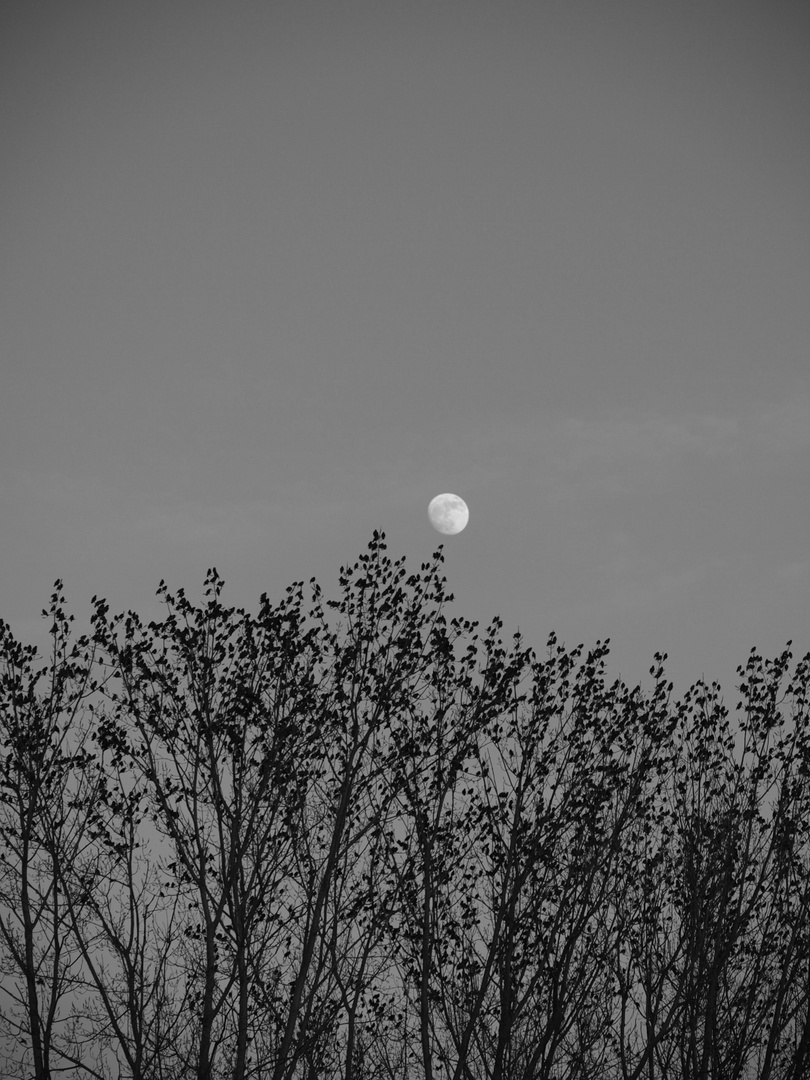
(448, 513)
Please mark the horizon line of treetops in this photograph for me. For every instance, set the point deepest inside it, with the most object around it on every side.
(359, 839)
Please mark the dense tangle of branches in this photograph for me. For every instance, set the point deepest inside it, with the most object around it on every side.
(356, 839)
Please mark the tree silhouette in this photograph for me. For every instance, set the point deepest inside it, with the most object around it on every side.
(357, 839)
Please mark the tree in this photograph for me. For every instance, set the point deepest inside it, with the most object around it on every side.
(356, 839)
(46, 787)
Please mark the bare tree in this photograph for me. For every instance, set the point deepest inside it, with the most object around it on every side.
(714, 937)
(352, 840)
(46, 785)
(208, 719)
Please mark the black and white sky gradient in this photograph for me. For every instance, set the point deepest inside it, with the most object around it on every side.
(273, 275)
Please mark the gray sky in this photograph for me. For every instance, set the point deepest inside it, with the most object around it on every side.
(274, 274)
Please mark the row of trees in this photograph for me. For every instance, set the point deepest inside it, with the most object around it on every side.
(354, 839)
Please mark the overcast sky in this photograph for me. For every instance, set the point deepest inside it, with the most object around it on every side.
(274, 274)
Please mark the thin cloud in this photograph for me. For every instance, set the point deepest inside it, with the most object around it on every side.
(575, 456)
